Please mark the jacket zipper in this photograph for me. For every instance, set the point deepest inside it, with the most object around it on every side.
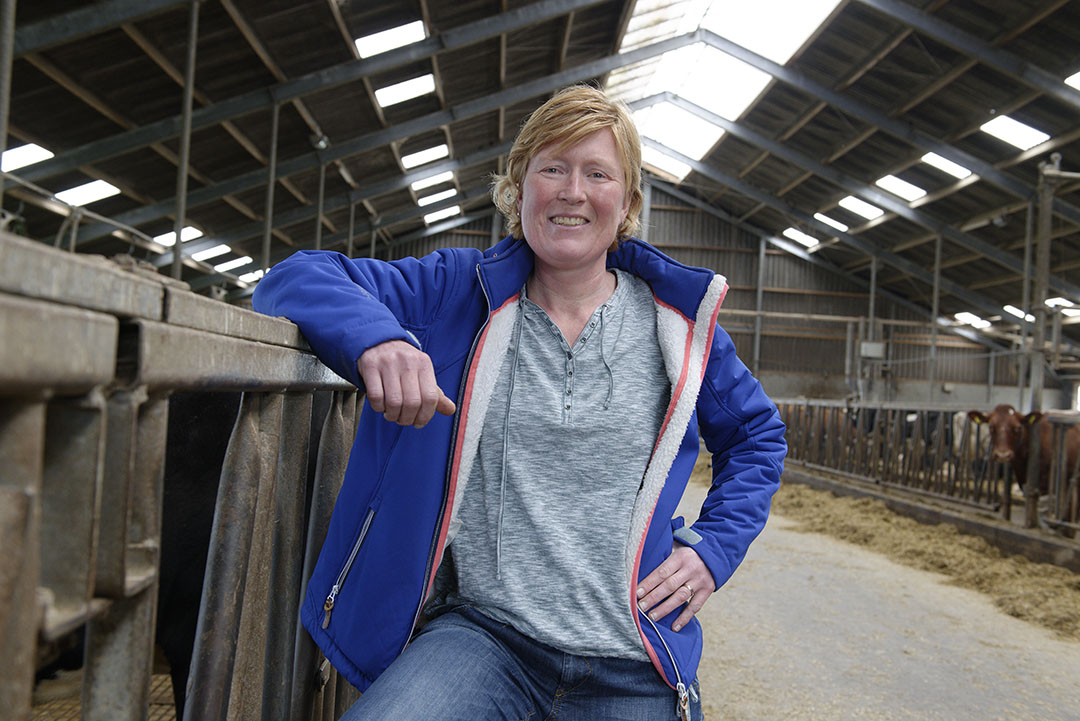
(328, 605)
(449, 467)
(683, 707)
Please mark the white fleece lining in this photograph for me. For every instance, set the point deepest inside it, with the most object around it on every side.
(671, 330)
(488, 366)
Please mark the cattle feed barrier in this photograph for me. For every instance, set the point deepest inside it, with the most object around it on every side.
(929, 451)
(90, 353)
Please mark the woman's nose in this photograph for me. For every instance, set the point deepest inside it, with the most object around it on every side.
(572, 188)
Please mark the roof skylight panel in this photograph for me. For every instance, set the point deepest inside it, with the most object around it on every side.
(800, 237)
(187, 233)
(667, 165)
(211, 252)
(386, 40)
(775, 29)
(436, 197)
(442, 214)
(231, 264)
(88, 193)
(20, 157)
(425, 156)
(678, 129)
(1073, 81)
(1014, 132)
(406, 90)
(861, 207)
(253, 276)
(431, 180)
(830, 221)
(1013, 310)
(898, 186)
(741, 83)
(972, 320)
(947, 166)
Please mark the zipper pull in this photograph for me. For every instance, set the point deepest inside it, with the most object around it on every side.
(328, 605)
(684, 702)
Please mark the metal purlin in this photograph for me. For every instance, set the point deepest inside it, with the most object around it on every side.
(185, 138)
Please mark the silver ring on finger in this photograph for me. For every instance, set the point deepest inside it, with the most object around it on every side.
(691, 590)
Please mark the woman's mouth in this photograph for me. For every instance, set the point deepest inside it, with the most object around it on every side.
(568, 220)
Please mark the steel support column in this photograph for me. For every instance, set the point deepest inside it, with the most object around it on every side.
(319, 203)
(646, 210)
(1046, 187)
(352, 230)
(759, 299)
(1025, 342)
(934, 314)
(271, 171)
(7, 36)
(185, 137)
(873, 295)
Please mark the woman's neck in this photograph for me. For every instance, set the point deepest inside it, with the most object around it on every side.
(570, 297)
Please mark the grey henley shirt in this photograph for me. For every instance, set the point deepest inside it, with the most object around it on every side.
(545, 548)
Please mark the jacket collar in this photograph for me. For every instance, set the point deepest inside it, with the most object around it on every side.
(507, 264)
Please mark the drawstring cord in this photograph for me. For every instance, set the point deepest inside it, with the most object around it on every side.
(603, 359)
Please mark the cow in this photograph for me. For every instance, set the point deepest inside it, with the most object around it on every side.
(1009, 443)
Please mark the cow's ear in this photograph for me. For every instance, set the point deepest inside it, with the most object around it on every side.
(1032, 418)
(977, 416)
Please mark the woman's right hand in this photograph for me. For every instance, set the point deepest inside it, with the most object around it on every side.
(400, 384)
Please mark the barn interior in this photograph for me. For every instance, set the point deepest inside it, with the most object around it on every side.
(867, 177)
(890, 187)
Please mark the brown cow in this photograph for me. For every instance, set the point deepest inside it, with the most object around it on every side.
(1009, 442)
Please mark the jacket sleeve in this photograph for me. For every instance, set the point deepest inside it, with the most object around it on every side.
(344, 306)
(743, 431)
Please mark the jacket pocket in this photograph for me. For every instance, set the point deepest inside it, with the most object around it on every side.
(335, 590)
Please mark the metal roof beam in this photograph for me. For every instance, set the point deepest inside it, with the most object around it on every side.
(487, 103)
(975, 299)
(898, 128)
(801, 253)
(440, 227)
(365, 227)
(344, 200)
(298, 87)
(868, 193)
(95, 18)
(1001, 60)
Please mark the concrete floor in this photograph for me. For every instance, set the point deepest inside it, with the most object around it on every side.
(814, 628)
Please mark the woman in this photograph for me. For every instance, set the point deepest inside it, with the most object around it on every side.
(509, 552)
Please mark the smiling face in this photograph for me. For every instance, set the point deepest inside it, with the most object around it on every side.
(572, 202)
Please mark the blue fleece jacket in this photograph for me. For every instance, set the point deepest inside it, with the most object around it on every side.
(388, 531)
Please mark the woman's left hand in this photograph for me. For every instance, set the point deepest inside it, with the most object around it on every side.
(682, 579)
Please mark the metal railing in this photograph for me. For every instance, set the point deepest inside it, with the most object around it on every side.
(90, 353)
(933, 451)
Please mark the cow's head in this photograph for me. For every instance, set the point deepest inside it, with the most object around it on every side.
(1008, 431)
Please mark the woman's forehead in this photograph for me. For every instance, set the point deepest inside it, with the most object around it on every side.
(597, 146)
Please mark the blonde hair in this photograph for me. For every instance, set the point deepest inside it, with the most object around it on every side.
(567, 118)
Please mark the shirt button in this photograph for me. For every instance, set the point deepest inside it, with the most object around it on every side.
(570, 356)
(567, 391)
(567, 406)
(569, 373)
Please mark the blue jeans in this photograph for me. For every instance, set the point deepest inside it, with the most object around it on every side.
(463, 666)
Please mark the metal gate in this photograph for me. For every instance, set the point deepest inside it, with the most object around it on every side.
(90, 352)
